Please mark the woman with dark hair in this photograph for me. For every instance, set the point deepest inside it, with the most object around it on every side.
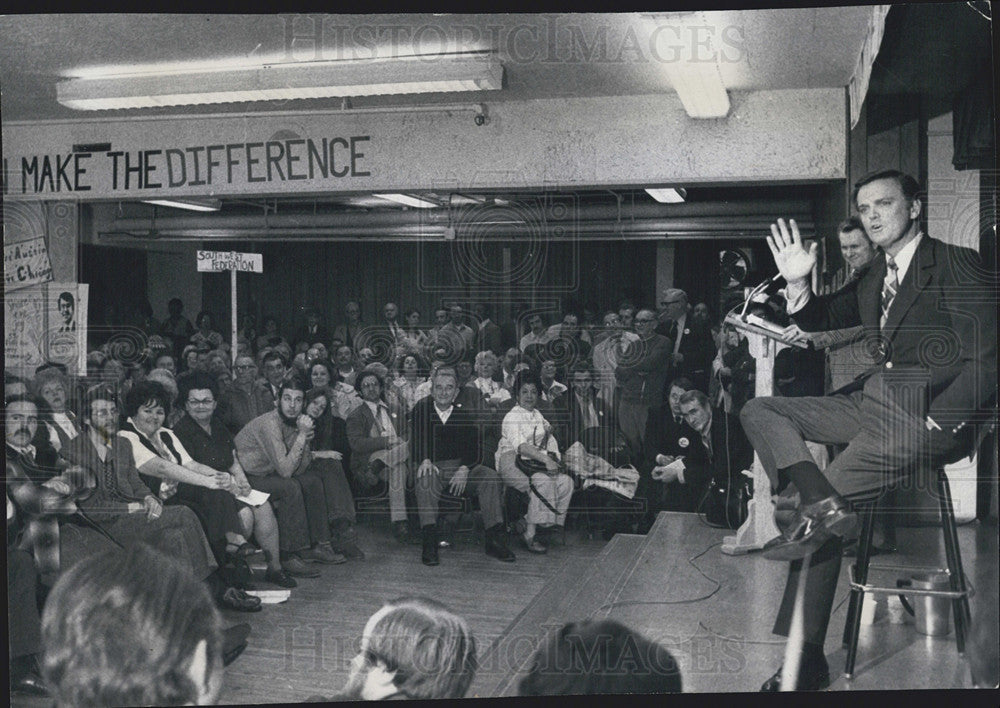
(599, 657)
(204, 334)
(211, 443)
(528, 460)
(325, 474)
(166, 466)
(340, 395)
(409, 367)
(159, 643)
(413, 338)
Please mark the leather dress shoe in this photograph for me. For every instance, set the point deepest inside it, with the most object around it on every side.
(234, 641)
(236, 599)
(496, 545)
(814, 675)
(815, 524)
(429, 555)
(401, 530)
(322, 553)
(295, 567)
(29, 683)
(279, 577)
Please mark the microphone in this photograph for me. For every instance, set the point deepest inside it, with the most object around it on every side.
(756, 291)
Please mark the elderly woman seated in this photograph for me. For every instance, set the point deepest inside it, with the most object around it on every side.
(528, 460)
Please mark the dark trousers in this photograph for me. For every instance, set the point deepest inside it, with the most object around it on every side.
(821, 586)
(216, 509)
(23, 624)
(289, 509)
(335, 490)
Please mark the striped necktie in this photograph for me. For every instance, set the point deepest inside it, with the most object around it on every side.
(889, 288)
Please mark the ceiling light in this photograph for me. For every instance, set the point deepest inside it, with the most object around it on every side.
(191, 204)
(668, 195)
(408, 200)
(273, 82)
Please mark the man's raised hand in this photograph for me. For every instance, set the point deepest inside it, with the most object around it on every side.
(794, 262)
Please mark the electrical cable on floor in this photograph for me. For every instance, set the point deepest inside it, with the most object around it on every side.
(629, 603)
(766, 642)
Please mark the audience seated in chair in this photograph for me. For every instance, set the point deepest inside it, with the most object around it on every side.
(273, 448)
(527, 459)
(444, 441)
(379, 450)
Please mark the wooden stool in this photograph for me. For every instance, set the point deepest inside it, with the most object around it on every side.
(959, 591)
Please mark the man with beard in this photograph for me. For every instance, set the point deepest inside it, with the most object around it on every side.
(38, 483)
(273, 448)
(412, 648)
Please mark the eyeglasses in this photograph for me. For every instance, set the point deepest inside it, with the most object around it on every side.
(244, 367)
(197, 402)
(645, 319)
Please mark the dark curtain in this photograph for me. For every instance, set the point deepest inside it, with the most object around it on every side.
(326, 275)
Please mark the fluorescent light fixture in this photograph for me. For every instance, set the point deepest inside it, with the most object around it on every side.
(190, 204)
(692, 67)
(700, 88)
(274, 82)
(668, 195)
(408, 200)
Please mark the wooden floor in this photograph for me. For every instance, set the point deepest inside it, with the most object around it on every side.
(713, 611)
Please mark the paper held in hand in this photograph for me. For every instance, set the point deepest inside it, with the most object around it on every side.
(254, 498)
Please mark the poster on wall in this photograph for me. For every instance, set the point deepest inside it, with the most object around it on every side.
(46, 323)
(26, 263)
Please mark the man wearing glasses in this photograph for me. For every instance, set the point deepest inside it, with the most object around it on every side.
(693, 346)
(247, 398)
(640, 376)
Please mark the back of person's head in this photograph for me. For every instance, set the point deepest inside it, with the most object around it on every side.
(429, 649)
(600, 657)
(132, 628)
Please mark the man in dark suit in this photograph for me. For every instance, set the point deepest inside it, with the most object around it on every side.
(906, 408)
(488, 336)
(444, 443)
(667, 438)
(718, 451)
(694, 347)
(312, 331)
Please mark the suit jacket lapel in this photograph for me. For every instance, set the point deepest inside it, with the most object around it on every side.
(916, 279)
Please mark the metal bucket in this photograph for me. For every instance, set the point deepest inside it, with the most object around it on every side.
(932, 615)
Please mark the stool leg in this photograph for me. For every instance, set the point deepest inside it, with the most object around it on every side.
(852, 628)
(956, 574)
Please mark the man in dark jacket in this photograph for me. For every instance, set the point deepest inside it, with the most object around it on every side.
(445, 447)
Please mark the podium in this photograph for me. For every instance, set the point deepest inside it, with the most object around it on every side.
(765, 342)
